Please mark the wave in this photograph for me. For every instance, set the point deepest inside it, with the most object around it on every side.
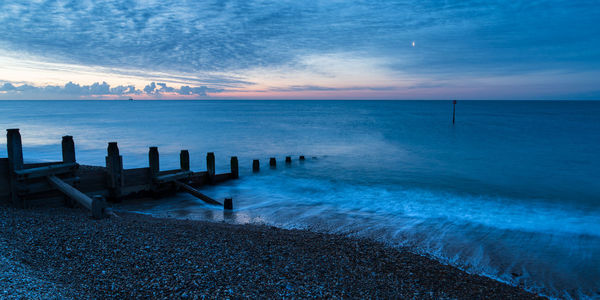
(539, 245)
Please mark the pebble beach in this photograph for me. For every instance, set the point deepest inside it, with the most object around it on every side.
(62, 253)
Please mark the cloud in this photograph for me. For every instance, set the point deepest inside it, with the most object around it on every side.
(8, 87)
(149, 89)
(201, 90)
(99, 90)
(195, 36)
(222, 43)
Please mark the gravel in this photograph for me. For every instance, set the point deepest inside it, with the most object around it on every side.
(62, 253)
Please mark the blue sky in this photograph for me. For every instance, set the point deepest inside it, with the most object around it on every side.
(300, 49)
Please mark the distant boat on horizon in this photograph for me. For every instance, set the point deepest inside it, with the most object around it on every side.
(130, 99)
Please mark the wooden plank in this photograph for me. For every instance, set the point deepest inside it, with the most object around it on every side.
(43, 164)
(137, 176)
(132, 189)
(197, 193)
(41, 185)
(170, 172)
(46, 171)
(70, 191)
(92, 180)
(198, 179)
(94, 205)
(172, 177)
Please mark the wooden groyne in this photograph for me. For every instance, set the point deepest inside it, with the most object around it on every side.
(68, 183)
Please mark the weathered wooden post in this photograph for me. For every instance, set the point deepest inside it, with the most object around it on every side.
(288, 160)
(68, 149)
(184, 160)
(153, 161)
(228, 204)
(15, 162)
(235, 171)
(255, 165)
(210, 165)
(272, 162)
(14, 149)
(68, 156)
(302, 157)
(98, 207)
(114, 169)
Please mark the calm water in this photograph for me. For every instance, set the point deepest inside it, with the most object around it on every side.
(511, 191)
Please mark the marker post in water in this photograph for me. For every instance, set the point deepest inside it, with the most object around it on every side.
(453, 111)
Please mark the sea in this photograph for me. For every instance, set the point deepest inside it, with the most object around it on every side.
(510, 191)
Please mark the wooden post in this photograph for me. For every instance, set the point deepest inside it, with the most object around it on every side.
(255, 165)
(272, 162)
(153, 161)
(114, 168)
(453, 111)
(68, 156)
(15, 162)
(235, 171)
(228, 204)
(68, 149)
(98, 207)
(210, 165)
(14, 149)
(184, 160)
(302, 157)
(288, 160)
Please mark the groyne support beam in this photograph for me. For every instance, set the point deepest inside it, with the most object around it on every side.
(197, 193)
(96, 205)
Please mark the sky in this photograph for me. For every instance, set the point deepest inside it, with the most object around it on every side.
(242, 49)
